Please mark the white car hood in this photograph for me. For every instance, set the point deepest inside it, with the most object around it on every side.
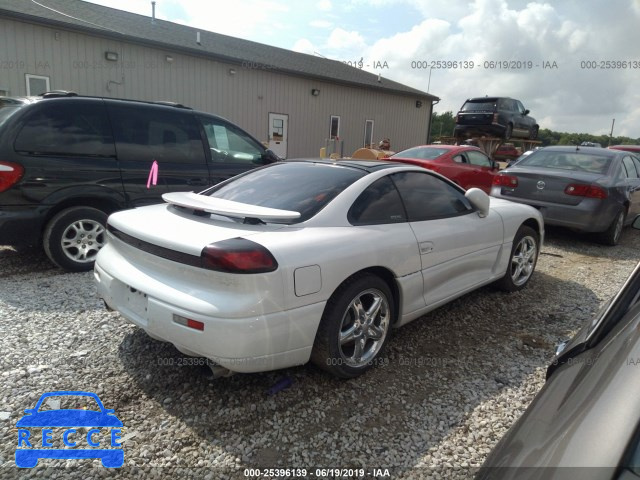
(170, 227)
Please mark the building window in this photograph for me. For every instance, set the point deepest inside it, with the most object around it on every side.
(36, 84)
(4, 92)
(334, 131)
(368, 134)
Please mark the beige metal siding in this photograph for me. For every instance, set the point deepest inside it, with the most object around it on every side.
(76, 61)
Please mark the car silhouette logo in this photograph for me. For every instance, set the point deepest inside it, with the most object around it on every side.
(540, 185)
(67, 422)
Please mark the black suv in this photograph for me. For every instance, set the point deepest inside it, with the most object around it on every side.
(67, 162)
(501, 117)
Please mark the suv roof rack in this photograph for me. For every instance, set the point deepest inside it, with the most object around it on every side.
(172, 104)
(59, 93)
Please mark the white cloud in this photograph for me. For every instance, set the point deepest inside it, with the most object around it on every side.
(344, 40)
(303, 46)
(321, 24)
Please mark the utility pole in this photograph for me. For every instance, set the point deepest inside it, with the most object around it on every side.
(611, 134)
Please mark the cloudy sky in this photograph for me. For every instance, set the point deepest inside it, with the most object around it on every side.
(583, 43)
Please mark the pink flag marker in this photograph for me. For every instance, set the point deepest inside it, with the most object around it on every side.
(153, 174)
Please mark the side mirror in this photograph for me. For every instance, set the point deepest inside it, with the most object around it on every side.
(526, 112)
(269, 157)
(479, 200)
(636, 223)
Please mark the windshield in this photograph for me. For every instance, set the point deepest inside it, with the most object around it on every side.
(567, 160)
(421, 153)
(298, 186)
(474, 106)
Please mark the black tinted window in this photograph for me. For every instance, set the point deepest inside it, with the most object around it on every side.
(488, 105)
(301, 187)
(66, 128)
(229, 144)
(380, 203)
(427, 197)
(146, 133)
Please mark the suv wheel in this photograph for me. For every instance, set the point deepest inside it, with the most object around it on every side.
(73, 237)
(533, 133)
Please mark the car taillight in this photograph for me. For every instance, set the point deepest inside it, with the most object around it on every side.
(505, 181)
(10, 173)
(495, 118)
(237, 255)
(589, 191)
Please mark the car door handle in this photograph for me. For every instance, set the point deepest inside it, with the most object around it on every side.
(426, 247)
(197, 182)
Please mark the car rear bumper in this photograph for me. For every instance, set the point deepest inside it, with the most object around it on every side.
(590, 215)
(258, 341)
(20, 226)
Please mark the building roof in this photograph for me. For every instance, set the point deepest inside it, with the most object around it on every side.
(118, 24)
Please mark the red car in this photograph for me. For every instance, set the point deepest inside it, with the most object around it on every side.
(467, 166)
(629, 148)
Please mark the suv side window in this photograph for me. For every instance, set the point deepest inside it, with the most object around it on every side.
(379, 204)
(477, 158)
(144, 134)
(66, 128)
(520, 108)
(427, 197)
(229, 144)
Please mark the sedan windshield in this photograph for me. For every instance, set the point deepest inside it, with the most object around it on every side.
(575, 161)
(421, 153)
(297, 186)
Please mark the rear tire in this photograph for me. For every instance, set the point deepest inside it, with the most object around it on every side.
(522, 261)
(74, 236)
(611, 236)
(355, 327)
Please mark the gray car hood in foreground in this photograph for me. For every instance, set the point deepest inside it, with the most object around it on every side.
(581, 422)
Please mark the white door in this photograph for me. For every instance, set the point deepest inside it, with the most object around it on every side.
(278, 126)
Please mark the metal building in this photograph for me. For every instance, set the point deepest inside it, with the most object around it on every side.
(294, 101)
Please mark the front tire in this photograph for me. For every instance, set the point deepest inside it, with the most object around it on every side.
(74, 236)
(355, 327)
(611, 236)
(533, 134)
(522, 261)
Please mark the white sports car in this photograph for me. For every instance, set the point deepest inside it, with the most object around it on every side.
(309, 260)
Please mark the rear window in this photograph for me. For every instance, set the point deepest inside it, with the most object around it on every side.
(301, 187)
(6, 112)
(421, 153)
(574, 161)
(481, 105)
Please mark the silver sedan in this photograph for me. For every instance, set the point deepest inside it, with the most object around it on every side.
(585, 188)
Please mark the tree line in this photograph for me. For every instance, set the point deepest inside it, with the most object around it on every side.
(442, 125)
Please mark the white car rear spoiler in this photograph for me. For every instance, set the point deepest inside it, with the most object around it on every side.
(227, 208)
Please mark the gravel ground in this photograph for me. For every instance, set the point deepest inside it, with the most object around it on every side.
(450, 386)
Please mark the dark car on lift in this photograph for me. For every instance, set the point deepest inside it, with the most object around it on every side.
(68, 161)
(585, 422)
(501, 117)
(588, 189)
